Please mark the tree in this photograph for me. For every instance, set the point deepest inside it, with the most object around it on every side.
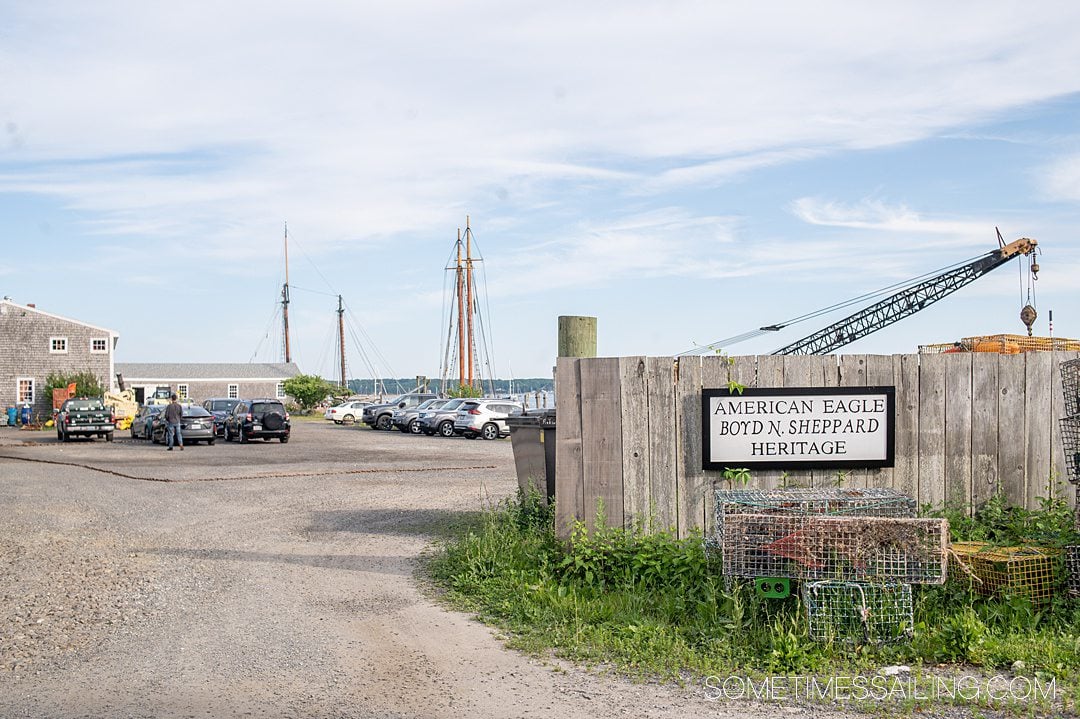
(464, 390)
(86, 383)
(308, 389)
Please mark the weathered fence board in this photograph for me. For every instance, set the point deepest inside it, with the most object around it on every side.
(906, 462)
(569, 477)
(984, 427)
(1012, 447)
(958, 434)
(690, 477)
(1037, 386)
(932, 430)
(879, 373)
(660, 378)
(851, 372)
(966, 426)
(634, 401)
(601, 440)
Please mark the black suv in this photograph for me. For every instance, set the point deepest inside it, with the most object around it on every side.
(257, 419)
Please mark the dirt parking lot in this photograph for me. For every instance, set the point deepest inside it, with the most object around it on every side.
(265, 580)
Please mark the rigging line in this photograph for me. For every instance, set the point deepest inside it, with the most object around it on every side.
(374, 347)
(266, 332)
(487, 302)
(314, 292)
(314, 267)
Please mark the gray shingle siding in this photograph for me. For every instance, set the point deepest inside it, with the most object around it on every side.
(25, 352)
(211, 379)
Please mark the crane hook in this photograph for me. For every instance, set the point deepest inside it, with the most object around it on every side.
(1027, 316)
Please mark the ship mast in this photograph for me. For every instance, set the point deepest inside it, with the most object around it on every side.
(341, 337)
(459, 280)
(285, 297)
(469, 296)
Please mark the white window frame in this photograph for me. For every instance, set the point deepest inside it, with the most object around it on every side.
(52, 345)
(233, 391)
(281, 390)
(104, 345)
(182, 391)
(18, 390)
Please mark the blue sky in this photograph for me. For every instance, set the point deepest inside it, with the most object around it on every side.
(684, 171)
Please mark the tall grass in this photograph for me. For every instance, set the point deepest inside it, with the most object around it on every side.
(654, 605)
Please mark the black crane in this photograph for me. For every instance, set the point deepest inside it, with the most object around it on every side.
(905, 303)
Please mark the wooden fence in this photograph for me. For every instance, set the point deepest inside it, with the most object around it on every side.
(967, 426)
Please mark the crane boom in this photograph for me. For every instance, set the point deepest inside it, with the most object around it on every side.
(904, 303)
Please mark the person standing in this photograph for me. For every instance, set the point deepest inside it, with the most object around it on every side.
(173, 413)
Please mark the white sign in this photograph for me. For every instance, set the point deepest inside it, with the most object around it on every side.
(798, 428)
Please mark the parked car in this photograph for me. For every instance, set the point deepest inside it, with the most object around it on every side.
(257, 419)
(485, 418)
(346, 412)
(439, 420)
(220, 408)
(86, 416)
(196, 425)
(405, 418)
(142, 424)
(379, 416)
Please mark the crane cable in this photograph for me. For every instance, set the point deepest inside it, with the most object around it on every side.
(718, 345)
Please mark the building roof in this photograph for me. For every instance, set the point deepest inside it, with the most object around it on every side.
(7, 305)
(181, 371)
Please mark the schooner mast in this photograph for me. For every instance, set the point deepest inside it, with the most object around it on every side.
(464, 326)
(285, 298)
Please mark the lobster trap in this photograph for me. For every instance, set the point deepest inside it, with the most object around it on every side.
(1070, 443)
(854, 549)
(858, 611)
(873, 502)
(1070, 385)
(1026, 571)
(1072, 569)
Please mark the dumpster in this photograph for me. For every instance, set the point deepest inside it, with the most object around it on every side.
(12, 413)
(532, 436)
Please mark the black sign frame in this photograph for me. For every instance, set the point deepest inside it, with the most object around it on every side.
(795, 464)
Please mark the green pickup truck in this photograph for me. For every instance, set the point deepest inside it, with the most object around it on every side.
(85, 416)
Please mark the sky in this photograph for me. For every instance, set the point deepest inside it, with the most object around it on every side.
(683, 171)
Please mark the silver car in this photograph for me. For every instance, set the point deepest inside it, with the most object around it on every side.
(405, 418)
(441, 420)
(485, 418)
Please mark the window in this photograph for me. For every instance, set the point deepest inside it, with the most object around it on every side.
(99, 345)
(25, 390)
(58, 345)
(280, 389)
(234, 391)
(181, 391)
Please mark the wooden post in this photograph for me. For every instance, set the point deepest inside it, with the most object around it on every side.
(577, 336)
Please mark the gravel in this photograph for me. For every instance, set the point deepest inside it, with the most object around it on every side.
(267, 580)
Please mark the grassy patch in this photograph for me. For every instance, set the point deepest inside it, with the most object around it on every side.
(651, 605)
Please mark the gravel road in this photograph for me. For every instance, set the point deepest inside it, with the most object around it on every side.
(266, 580)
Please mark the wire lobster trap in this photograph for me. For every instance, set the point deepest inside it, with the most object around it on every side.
(1070, 444)
(859, 612)
(1025, 571)
(1070, 385)
(899, 550)
(1072, 569)
(833, 502)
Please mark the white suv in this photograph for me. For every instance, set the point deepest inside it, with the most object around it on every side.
(485, 418)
